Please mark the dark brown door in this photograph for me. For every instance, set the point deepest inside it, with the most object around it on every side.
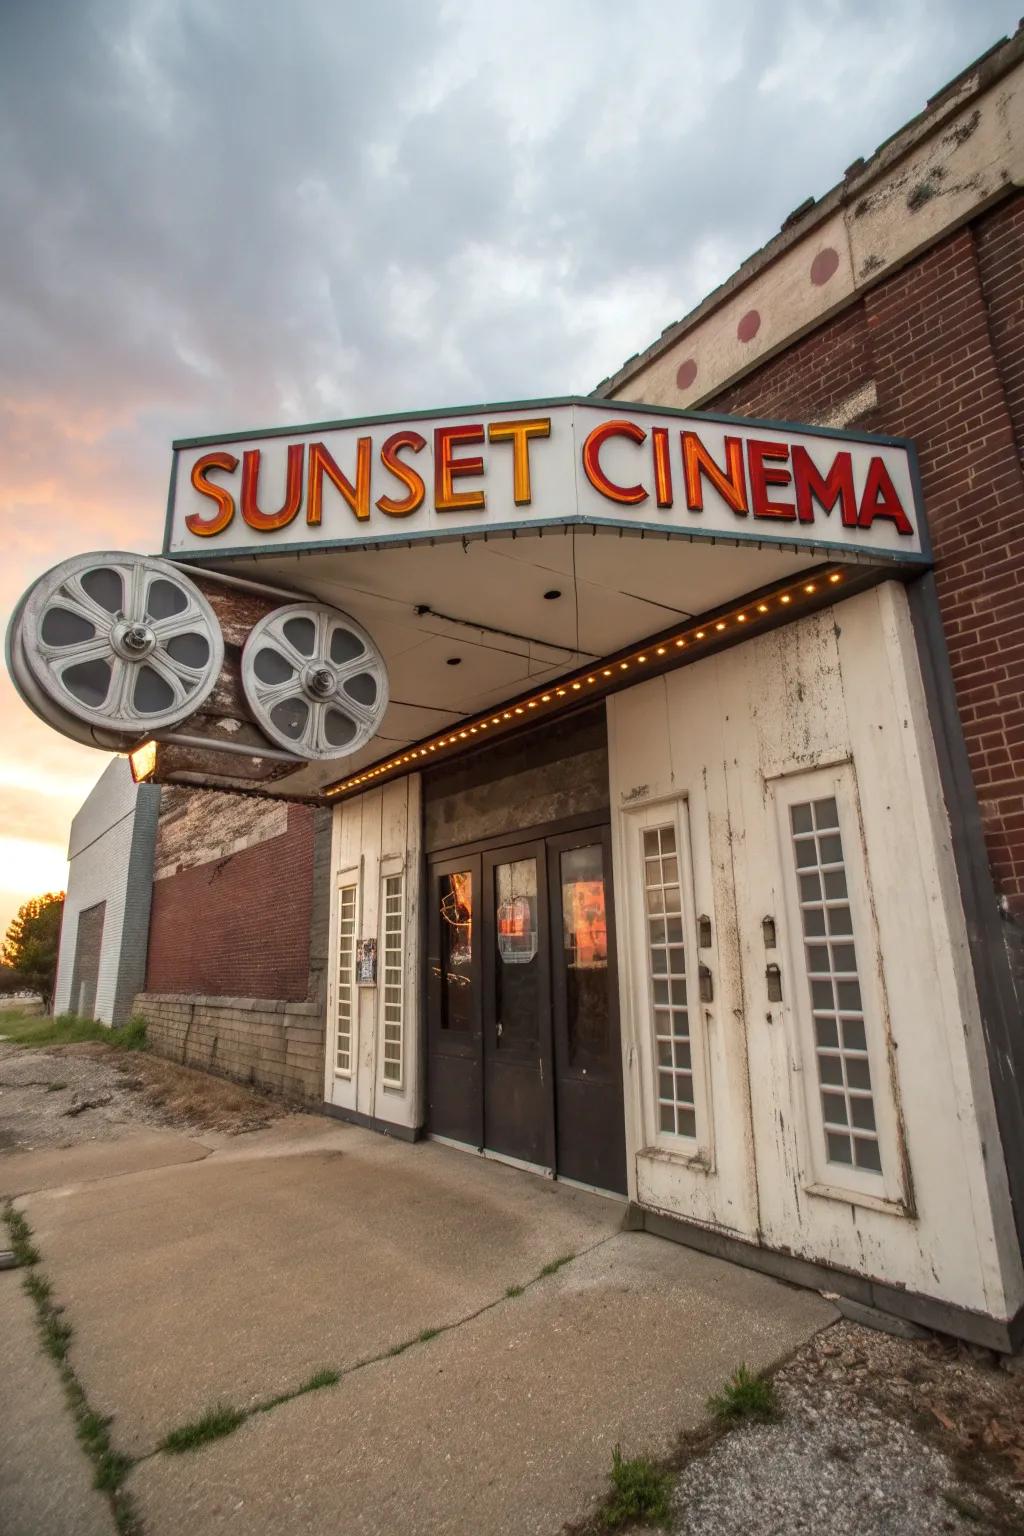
(518, 1108)
(591, 1143)
(454, 1017)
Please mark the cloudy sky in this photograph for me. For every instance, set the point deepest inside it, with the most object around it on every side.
(231, 213)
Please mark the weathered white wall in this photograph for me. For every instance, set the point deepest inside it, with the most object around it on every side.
(376, 835)
(837, 687)
(101, 848)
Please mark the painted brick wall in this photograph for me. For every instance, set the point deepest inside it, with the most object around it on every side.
(238, 925)
(942, 344)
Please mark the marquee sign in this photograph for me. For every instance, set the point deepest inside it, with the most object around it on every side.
(489, 470)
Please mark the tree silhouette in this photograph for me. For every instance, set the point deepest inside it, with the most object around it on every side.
(29, 955)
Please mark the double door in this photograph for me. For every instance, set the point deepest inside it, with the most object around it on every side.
(523, 1027)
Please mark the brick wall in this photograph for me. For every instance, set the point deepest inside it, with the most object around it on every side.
(942, 345)
(238, 925)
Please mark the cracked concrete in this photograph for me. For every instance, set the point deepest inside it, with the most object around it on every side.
(237, 1271)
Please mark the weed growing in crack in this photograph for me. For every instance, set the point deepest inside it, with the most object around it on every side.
(639, 1493)
(745, 1396)
(110, 1467)
(514, 1290)
(20, 1237)
(428, 1334)
(556, 1264)
(212, 1425)
(324, 1378)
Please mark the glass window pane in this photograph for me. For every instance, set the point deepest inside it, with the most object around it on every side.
(585, 955)
(666, 980)
(516, 966)
(455, 897)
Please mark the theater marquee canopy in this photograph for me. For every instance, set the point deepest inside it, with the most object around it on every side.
(523, 554)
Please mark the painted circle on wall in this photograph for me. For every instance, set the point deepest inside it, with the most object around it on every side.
(824, 266)
(686, 373)
(749, 325)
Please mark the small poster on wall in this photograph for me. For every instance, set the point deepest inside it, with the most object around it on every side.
(366, 963)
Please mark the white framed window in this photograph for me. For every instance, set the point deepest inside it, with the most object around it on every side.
(665, 960)
(836, 989)
(392, 978)
(345, 978)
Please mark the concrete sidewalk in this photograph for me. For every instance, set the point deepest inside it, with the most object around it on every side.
(233, 1276)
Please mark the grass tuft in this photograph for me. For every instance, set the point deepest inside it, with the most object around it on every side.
(514, 1290)
(639, 1492)
(428, 1334)
(68, 1029)
(745, 1396)
(556, 1264)
(212, 1425)
(38, 1287)
(54, 1332)
(324, 1378)
(20, 1236)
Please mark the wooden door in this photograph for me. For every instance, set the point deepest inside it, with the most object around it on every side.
(591, 1146)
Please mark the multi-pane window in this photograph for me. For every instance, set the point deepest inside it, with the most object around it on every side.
(393, 978)
(345, 981)
(844, 1075)
(666, 961)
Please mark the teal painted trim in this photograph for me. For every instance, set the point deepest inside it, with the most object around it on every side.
(870, 553)
(436, 413)
(169, 516)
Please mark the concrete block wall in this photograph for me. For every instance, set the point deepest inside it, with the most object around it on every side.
(273, 1045)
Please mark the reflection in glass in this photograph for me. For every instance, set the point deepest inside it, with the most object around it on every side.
(516, 967)
(585, 950)
(455, 896)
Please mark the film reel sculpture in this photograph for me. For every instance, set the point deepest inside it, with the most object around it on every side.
(314, 680)
(110, 648)
(113, 649)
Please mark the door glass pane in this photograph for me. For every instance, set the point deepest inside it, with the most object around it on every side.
(585, 952)
(345, 1008)
(844, 1076)
(456, 902)
(516, 967)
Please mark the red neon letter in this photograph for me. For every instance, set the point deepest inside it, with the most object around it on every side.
(880, 499)
(322, 463)
(446, 499)
(729, 484)
(403, 472)
(837, 485)
(662, 466)
(761, 477)
(625, 495)
(206, 527)
(266, 522)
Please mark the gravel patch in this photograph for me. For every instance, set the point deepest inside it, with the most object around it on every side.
(63, 1095)
(877, 1436)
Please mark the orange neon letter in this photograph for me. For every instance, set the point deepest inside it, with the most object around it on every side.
(266, 522)
(446, 499)
(626, 495)
(518, 433)
(403, 472)
(729, 483)
(206, 527)
(322, 463)
(880, 499)
(762, 476)
(837, 485)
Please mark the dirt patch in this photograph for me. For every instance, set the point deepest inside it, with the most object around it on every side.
(60, 1095)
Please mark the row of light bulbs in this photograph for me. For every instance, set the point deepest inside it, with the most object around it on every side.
(767, 606)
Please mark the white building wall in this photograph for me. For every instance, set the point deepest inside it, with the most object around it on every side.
(376, 836)
(725, 745)
(111, 861)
